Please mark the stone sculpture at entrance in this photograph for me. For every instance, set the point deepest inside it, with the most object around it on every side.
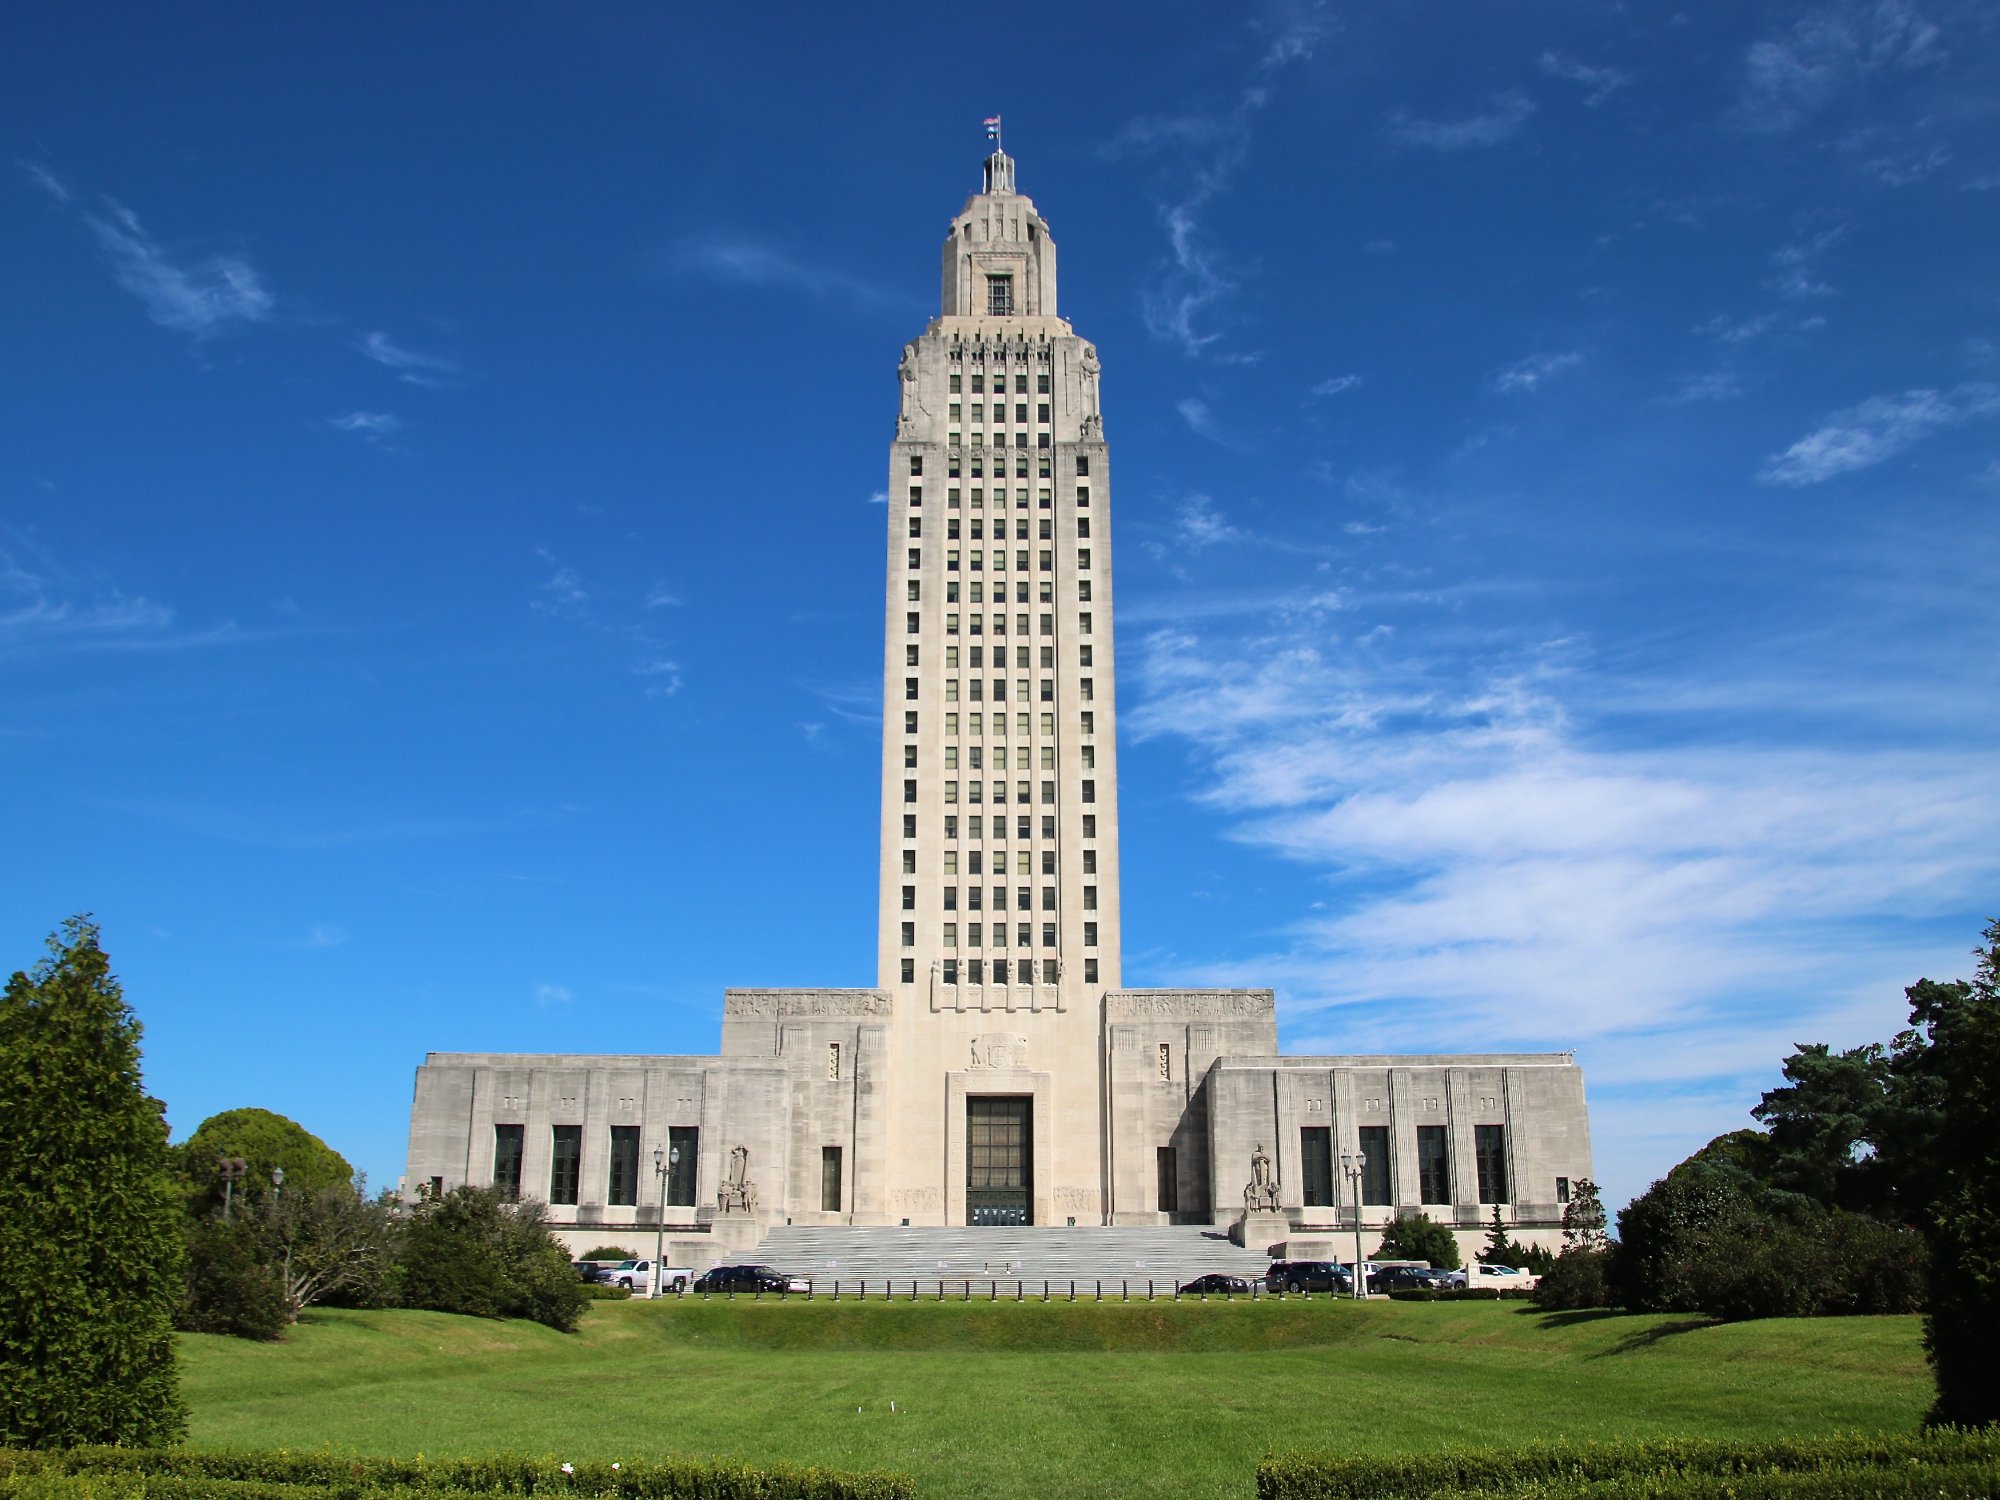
(739, 1193)
(1260, 1194)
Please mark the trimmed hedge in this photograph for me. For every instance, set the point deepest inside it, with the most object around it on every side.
(1463, 1294)
(183, 1474)
(1943, 1465)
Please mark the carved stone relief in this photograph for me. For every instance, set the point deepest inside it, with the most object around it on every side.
(999, 1049)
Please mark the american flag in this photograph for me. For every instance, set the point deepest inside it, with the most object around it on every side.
(993, 127)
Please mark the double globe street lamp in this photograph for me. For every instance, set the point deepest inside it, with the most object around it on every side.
(1352, 1165)
(664, 1161)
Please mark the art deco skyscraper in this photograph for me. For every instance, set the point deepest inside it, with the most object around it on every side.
(999, 887)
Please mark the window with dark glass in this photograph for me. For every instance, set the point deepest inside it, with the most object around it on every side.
(829, 1179)
(1375, 1165)
(1168, 1167)
(507, 1141)
(623, 1188)
(1316, 1166)
(1433, 1165)
(565, 1162)
(1489, 1150)
(686, 1139)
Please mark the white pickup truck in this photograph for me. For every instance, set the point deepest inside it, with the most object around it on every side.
(1482, 1274)
(637, 1276)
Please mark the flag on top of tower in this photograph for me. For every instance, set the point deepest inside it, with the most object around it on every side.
(993, 127)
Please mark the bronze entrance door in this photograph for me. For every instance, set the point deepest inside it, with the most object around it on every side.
(999, 1159)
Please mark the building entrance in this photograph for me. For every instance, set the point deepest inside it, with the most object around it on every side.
(999, 1159)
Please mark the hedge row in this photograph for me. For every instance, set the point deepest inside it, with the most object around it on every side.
(1462, 1294)
(183, 1474)
(1942, 1464)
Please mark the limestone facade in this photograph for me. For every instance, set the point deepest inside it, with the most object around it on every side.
(998, 1072)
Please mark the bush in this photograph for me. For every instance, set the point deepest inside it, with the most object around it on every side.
(609, 1252)
(90, 1220)
(1462, 1294)
(1419, 1237)
(1836, 1468)
(473, 1251)
(181, 1474)
(1579, 1279)
(1813, 1262)
(601, 1291)
(232, 1285)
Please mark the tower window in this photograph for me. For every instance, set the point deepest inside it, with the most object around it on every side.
(999, 296)
(1083, 463)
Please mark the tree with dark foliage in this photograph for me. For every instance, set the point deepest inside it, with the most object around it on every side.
(90, 1222)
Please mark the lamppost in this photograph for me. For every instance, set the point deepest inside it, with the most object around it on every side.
(664, 1161)
(1352, 1164)
(230, 1168)
(277, 1182)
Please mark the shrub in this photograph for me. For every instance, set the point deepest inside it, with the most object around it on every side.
(609, 1252)
(1579, 1279)
(473, 1251)
(90, 1221)
(1419, 1237)
(1813, 1262)
(232, 1285)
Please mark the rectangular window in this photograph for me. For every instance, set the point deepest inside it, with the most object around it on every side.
(1048, 561)
(951, 898)
(999, 296)
(1089, 826)
(1048, 898)
(1562, 1190)
(565, 1162)
(684, 1161)
(973, 929)
(1090, 934)
(909, 825)
(1089, 756)
(1090, 904)
(1090, 861)
(950, 967)
(1042, 382)
(909, 971)
(916, 464)
(1090, 971)
(1489, 1149)
(1048, 934)
(951, 934)
(909, 935)
(910, 686)
(1085, 689)
(1048, 970)
(910, 791)
(623, 1189)
(1316, 1166)
(1083, 526)
(909, 861)
(1083, 559)
(916, 557)
(1090, 791)
(507, 1141)
(909, 898)
(1083, 465)
(1169, 1179)
(1433, 1165)
(829, 1179)
(1083, 590)
(975, 971)
(1375, 1165)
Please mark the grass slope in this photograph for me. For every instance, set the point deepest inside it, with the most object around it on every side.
(1037, 1400)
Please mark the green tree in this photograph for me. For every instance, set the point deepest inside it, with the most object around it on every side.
(336, 1243)
(1949, 1065)
(233, 1286)
(1419, 1237)
(474, 1250)
(1583, 1218)
(1826, 1127)
(90, 1223)
(266, 1142)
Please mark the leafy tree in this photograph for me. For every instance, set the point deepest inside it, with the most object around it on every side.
(334, 1243)
(609, 1252)
(233, 1285)
(1949, 1066)
(265, 1141)
(1580, 1278)
(90, 1225)
(1826, 1127)
(1583, 1218)
(1419, 1237)
(1668, 1233)
(474, 1250)
(1504, 1250)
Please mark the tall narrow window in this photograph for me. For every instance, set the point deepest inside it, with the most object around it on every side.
(1316, 1166)
(507, 1158)
(1489, 1149)
(1433, 1165)
(1168, 1166)
(999, 296)
(833, 1061)
(623, 1189)
(1166, 1063)
(1375, 1165)
(565, 1160)
(829, 1179)
(686, 1140)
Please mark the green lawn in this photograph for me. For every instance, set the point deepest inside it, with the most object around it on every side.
(1037, 1400)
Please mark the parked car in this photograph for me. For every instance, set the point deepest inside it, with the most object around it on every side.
(637, 1276)
(750, 1279)
(1308, 1276)
(1217, 1283)
(1404, 1279)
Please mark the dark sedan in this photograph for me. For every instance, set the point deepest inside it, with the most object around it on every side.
(1405, 1279)
(743, 1279)
(1217, 1284)
(1307, 1276)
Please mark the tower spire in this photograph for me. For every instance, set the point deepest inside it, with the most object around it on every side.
(999, 166)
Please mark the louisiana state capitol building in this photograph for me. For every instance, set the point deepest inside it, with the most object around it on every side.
(998, 1073)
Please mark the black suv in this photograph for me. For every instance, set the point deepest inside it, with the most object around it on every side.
(1405, 1279)
(1307, 1276)
(742, 1279)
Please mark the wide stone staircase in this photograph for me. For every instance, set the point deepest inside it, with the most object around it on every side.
(1004, 1255)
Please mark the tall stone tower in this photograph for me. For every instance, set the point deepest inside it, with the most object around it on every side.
(999, 881)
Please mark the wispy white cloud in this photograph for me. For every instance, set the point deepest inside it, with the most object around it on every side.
(1786, 80)
(1502, 119)
(47, 607)
(1336, 385)
(192, 293)
(1797, 278)
(372, 425)
(663, 677)
(1525, 377)
(739, 261)
(659, 596)
(1601, 80)
(1877, 429)
(878, 497)
(553, 994)
(1713, 385)
(1198, 524)
(1201, 421)
(411, 366)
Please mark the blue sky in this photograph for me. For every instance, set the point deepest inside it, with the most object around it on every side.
(1557, 450)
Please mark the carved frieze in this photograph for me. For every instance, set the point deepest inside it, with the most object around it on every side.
(805, 1004)
(1189, 1005)
(999, 1049)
